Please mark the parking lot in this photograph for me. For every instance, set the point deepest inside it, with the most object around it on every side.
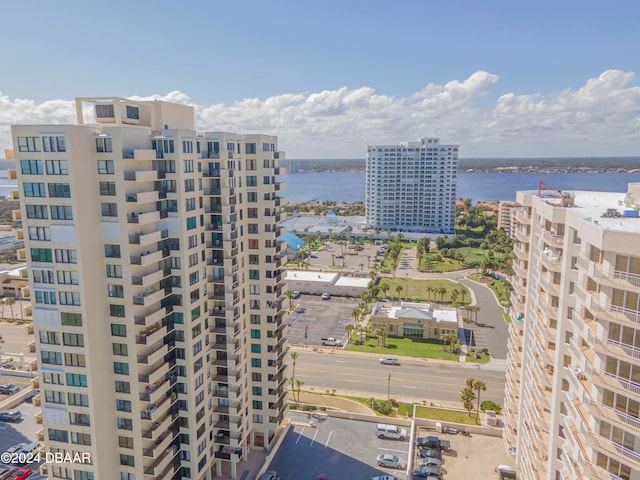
(23, 431)
(336, 447)
(352, 259)
(319, 319)
(344, 449)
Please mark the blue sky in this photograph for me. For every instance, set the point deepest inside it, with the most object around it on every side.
(501, 78)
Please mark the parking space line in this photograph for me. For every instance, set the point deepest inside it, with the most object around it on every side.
(314, 438)
(408, 386)
(327, 443)
(354, 381)
(392, 450)
(299, 435)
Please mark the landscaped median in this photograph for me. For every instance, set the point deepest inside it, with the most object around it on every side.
(403, 347)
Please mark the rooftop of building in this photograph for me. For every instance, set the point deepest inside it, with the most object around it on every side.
(345, 281)
(414, 311)
(308, 276)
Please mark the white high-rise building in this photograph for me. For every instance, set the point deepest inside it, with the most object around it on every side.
(412, 186)
(155, 268)
(572, 407)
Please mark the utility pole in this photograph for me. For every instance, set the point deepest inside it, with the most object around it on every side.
(389, 388)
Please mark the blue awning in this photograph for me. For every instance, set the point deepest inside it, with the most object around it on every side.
(295, 242)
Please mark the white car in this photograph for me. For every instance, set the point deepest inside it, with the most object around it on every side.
(325, 296)
(389, 361)
(390, 461)
(385, 477)
(430, 462)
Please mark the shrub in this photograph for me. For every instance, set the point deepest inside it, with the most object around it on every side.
(490, 405)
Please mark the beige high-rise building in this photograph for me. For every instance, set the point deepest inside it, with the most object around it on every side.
(572, 407)
(156, 276)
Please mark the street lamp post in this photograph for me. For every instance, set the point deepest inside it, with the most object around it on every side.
(389, 388)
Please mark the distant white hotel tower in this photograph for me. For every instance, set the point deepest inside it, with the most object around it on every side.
(412, 186)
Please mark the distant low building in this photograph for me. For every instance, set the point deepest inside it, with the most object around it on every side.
(414, 320)
(321, 282)
(15, 283)
(505, 216)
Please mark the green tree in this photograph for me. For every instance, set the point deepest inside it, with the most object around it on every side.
(294, 357)
(10, 301)
(398, 290)
(385, 288)
(442, 291)
(349, 329)
(299, 384)
(454, 295)
(290, 295)
(479, 386)
(467, 396)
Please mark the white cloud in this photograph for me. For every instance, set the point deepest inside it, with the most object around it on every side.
(602, 117)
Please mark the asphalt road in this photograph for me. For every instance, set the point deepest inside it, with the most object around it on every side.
(413, 380)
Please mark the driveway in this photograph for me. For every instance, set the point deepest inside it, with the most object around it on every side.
(491, 331)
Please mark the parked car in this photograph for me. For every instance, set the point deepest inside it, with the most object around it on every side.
(430, 462)
(331, 342)
(9, 389)
(432, 442)
(390, 461)
(430, 453)
(390, 431)
(22, 473)
(389, 361)
(296, 294)
(30, 396)
(427, 472)
(385, 477)
(326, 296)
(6, 471)
(359, 249)
(10, 416)
(313, 256)
(17, 448)
(269, 475)
(339, 257)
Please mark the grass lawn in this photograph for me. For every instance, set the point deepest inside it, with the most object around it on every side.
(445, 415)
(409, 347)
(418, 290)
(507, 317)
(502, 291)
(404, 409)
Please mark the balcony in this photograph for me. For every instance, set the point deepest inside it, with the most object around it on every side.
(145, 218)
(615, 381)
(149, 297)
(140, 175)
(625, 454)
(157, 468)
(553, 262)
(611, 415)
(553, 240)
(146, 239)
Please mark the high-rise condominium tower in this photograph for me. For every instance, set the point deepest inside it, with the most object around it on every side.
(572, 408)
(155, 268)
(412, 186)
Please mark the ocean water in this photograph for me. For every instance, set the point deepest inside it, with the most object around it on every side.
(485, 187)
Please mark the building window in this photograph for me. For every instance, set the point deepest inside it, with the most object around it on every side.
(43, 276)
(191, 223)
(57, 435)
(78, 399)
(188, 165)
(69, 298)
(109, 209)
(73, 339)
(29, 144)
(125, 442)
(256, 348)
(44, 297)
(66, 256)
(114, 271)
(115, 291)
(68, 278)
(121, 368)
(57, 167)
(104, 145)
(81, 475)
(49, 338)
(125, 424)
(123, 387)
(252, 197)
(81, 419)
(254, 244)
(123, 405)
(31, 167)
(61, 212)
(76, 380)
(37, 212)
(59, 190)
(118, 330)
(108, 188)
(105, 167)
(39, 233)
(75, 360)
(187, 146)
(112, 251)
(189, 185)
(120, 349)
(34, 189)
(190, 204)
(51, 358)
(256, 362)
(127, 460)
(257, 404)
(71, 319)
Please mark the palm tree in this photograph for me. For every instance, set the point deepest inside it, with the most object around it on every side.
(349, 329)
(385, 333)
(429, 292)
(442, 291)
(385, 288)
(398, 290)
(10, 301)
(454, 295)
(467, 396)
(333, 259)
(3, 300)
(445, 340)
(361, 266)
(293, 389)
(475, 309)
(378, 333)
(294, 357)
(463, 293)
(290, 295)
(479, 386)
(299, 384)
(355, 313)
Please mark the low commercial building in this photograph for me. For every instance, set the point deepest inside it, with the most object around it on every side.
(414, 320)
(321, 282)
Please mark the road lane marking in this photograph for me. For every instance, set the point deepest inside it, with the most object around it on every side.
(391, 450)
(299, 435)
(408, 386)
(314, 438)
(354, 381)
(327, 444)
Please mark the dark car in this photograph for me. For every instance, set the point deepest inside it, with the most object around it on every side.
(339, 257)
(269, 475)
(427, 442)
(30, 396)
(427, 472)
(9, 389)
(430, 453)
